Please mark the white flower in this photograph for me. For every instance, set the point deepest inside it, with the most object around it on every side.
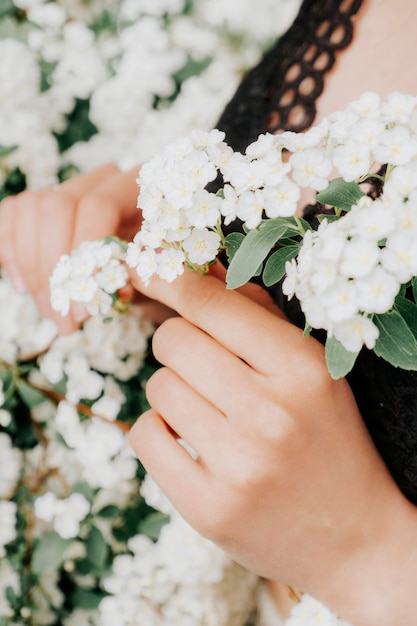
(356, 332)
(205, 209)
(360, 256)
(170, 264)
(250, 206)
(352, 159)
(398, 107)
(70, 512)
(340, 300)
(376, 292)
(311, 168)
(202, 246)
(367, 106)
(144, 261)
(281, 200)
(399, 256)
(395, 146)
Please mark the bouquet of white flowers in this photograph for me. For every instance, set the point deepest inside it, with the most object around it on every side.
(355, 276)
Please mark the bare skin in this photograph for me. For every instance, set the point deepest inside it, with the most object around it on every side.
(287, 479)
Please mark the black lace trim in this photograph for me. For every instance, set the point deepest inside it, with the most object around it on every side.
(280, 93)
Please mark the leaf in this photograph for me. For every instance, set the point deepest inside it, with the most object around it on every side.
(86, 599)
(232, 243)
(253, 250)
(110, 511)
(275, 265)
(151, 526)
(408, 311)
(30, 396)
(414, 287)
(340, 194)
(6, 150)
(339, 360)
(396, 342)
(48, 553)
(97, 549)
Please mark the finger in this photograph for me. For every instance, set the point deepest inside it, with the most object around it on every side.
(7, 251)
(169, 464)
(108, 210)
(188, 413)
(83, 183)
(251, 290)
(209, 368)
(246, 329)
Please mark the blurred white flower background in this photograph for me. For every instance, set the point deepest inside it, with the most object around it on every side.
(85, 537)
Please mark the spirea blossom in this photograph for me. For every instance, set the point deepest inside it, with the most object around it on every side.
(89, 275)
(183, 578)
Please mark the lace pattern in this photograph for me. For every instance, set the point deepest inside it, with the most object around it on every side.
(280, 93)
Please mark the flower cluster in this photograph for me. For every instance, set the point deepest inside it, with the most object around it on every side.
(89, 275)
(181, 578)
(345, 274)
(354, 267)
(109, 80)
(182, 219)
(73, 498)
(113, 80)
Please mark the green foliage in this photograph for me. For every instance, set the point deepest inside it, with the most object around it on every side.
(340, 194)
(339, 360)
(86, 599)
(396, 342)
(98, 550)
(249, 252)
(151, 526)
(48, 553)
(79, 126)
(275, 264)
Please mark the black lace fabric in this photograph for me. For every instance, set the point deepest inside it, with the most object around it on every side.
(280, 93)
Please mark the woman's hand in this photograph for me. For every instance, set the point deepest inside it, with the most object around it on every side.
(36, 228)
(287, 479)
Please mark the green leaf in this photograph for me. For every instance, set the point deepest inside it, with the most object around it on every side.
(253, 250)
(48, 553)
(151, 526)
(275, 265)
(408, 311)
(110, 511)
(396, 342)
(30, 396)
(414, 287)
(86, 599)
(97, 549)
(340, 194)
(6, 150)
(339, 360)
(232, 243)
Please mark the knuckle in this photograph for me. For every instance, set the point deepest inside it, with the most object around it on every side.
(167, 335)
(154, 384)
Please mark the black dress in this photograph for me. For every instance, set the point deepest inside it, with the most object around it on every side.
(280, 94)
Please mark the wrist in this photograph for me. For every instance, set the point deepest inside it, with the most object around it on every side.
(376, 582)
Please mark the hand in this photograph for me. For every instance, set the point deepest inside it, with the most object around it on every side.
(287, 479)
(36, 228)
